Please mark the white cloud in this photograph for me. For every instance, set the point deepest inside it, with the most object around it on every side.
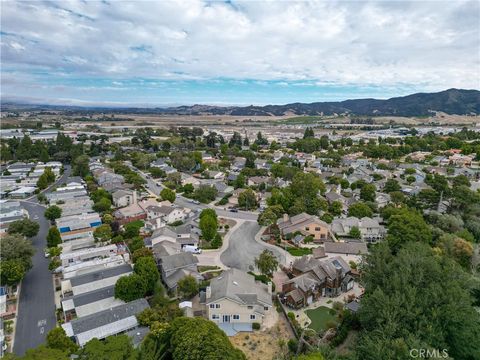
(428, 43)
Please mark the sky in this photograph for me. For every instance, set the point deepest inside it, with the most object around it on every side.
(162, 53)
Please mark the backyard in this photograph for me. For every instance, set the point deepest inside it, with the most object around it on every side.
(320, 317)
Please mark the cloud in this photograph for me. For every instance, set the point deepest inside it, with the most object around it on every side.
(432, 45)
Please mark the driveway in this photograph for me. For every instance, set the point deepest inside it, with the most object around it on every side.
(36, 309)
(243, 248)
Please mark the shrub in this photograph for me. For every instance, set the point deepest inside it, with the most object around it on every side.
(256, 326)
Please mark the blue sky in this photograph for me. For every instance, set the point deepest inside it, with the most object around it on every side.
(171, 53)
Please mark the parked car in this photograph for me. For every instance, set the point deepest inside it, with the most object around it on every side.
(192, 249)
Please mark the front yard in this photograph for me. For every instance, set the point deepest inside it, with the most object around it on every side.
(320, 318)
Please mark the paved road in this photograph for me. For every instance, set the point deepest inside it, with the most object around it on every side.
(36, 310)
(243, 248)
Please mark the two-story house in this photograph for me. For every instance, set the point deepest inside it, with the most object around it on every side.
(236, 298)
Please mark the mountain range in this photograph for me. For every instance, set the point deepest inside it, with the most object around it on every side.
(451, 101)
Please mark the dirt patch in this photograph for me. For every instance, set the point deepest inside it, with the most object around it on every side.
(264, 345)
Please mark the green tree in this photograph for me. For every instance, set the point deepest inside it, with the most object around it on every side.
(208, 225)
(407, 226)
(187, 287)
(217, 241)
(146, 268)
(80, 166)
(44, 353)
(42, 182)
(129, 288)
(355, 232)
(205, 193)
(367, 193)
(167, 194)
(197, 339)
(102, 205)
(391, 185)
(142, 252)
(247, 200)
(103, 233)
(359, 210)
(53, 237)
(16, 247)
(53, 212)
(58, 339)
(25, 227)
(11, 272)
(266, 262)
(118, 347)
(408, 303)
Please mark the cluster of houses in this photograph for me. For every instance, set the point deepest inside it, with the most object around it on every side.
(19, 180)
(88, 271)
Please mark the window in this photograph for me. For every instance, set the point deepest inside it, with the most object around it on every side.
(322, 236)
(212, 306)
(250, 307)
(265, 308)
(217, 306)
(307, 229)
(215, 317)
(252, 317)
(318, 229)
(236, 317)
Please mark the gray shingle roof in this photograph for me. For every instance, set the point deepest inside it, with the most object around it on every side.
(99, 275)
(178, 261)
(109, 316)
(92, 296)
(240, 287)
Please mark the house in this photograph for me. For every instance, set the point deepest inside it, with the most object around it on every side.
(257, 180)
(168, 214)
(10, 211)
(236, 298)
(81, 205)
(122, 198)
(238, 163)
(370, 229)
(305, 224)
(261, 164)
(130, 213)
(159, 163)
(23, 192)
(382, 199)
(76, 224)
(73, 257)
(346, 248)
(217, 175)
(314, 278)
(108, 322)
(175, 267)
(93, 280)
(186, 234)
(90, 302)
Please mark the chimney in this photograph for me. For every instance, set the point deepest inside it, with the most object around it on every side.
(134, 196)
(285, 217)
(208, 292)
(270, 287)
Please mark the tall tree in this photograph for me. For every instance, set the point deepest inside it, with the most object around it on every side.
(266, 262)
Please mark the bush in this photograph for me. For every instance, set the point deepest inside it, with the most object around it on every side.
(292, 345)
(256, 326)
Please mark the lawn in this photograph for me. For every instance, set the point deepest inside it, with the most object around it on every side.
(299, 251)
(320, 316)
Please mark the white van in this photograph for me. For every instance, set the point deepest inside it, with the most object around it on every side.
(192, 249)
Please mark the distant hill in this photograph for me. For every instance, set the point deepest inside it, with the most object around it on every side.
(452, 101)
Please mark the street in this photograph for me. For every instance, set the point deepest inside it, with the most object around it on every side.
(243, 248)
(36, 308)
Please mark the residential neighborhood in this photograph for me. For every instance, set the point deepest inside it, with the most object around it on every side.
(239, 180)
